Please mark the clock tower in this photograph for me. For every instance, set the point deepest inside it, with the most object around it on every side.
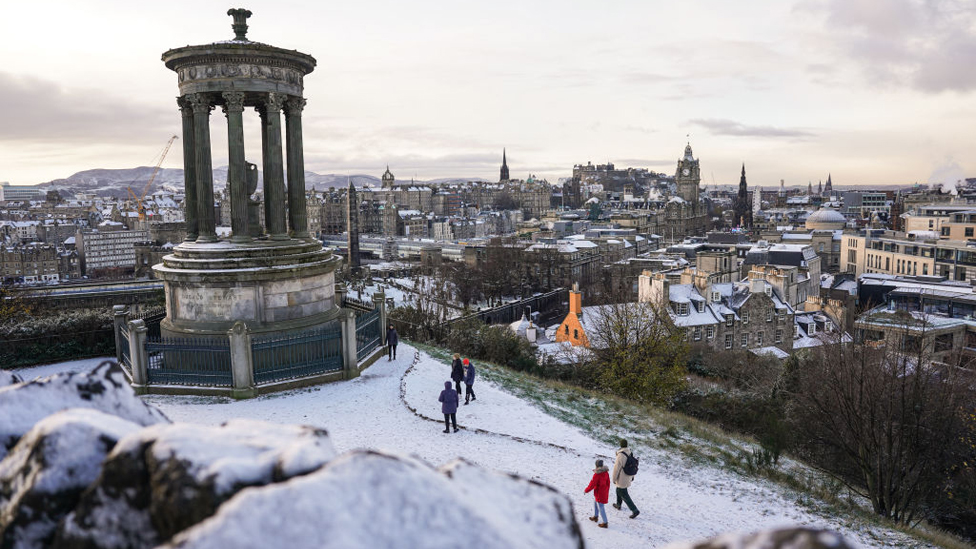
(688, 177)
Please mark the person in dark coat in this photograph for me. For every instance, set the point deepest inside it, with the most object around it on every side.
(600, 484)
(391, 340)
(457, 372)
(468, 381)
(449, 400)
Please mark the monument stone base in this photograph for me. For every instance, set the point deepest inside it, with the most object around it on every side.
(271, 286)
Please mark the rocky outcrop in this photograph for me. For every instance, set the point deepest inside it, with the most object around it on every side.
(787, 538)
(166, 478)
(8, 378)
(367, 499)
(42, 478)
(105, 389)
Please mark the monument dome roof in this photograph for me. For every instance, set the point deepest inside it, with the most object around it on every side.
(826, 218)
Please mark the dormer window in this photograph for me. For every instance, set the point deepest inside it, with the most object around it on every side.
(729, 320)
(681, 309)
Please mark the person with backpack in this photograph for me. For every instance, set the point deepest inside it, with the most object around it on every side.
(624, 470)
(468, 381)
(449, 404)
(600, 485)
(457, 372)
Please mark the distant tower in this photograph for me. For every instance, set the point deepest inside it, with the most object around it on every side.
(388, 178)
(687, 178)
(809, 188)
(782, 187)
(503, 176)
(756, 201)
(743, 213)
(828, 188)
(352, 227)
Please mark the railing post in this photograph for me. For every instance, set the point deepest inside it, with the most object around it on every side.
(241, 362)
(379, 301)
(350, 362)
(139, 356)
(340, 291)
(121, 318)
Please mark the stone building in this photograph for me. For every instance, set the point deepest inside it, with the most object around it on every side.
(686, 214)
(747, 315)
(30, 264)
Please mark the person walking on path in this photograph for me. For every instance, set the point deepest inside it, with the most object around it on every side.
(449, 400)
(622, 480)
(457, 372)
(391, 340)
(600, 484)
(468, 382)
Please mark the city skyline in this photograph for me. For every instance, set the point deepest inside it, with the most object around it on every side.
(873, 93)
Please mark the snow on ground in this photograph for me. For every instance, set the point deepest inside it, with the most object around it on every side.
(505, 433)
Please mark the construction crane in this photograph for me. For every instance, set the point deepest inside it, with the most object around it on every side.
(139, 207)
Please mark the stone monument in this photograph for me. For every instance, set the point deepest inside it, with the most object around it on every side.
(274, 278)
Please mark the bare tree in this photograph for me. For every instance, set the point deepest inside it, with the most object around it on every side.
(883, 418)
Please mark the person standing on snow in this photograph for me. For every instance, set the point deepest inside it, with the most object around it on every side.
(391, 340)
(449, 400)
(600, 484)
(468, 381)
(622, 480)
(457, 372)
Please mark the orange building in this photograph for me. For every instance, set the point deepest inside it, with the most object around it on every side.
(571, 329)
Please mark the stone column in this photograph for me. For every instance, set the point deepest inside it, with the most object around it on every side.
(236, 173)
(241, 361)
(138, 355)
(121, 313)
(274, 176)
(297, 211)
(379, 301)
(206, 224)
(189, 171)
(350, 361)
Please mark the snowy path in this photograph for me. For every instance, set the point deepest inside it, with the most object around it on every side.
(505, 433)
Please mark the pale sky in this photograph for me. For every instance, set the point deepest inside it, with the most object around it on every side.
(875, 92)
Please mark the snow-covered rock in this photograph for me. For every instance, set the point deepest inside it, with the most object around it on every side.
(24, 404)
(369, 499)
(788, 538)
(8, 378)
(165, 478)
(42, 478)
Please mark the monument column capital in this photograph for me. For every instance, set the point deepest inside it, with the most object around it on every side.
(294, 106)
(233, 102)
(200, 103)
(274, 101)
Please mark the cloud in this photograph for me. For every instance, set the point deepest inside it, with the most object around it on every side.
(927, 45)
(42, 110)
(737, 129)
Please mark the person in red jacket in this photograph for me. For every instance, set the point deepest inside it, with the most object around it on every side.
(600, 484)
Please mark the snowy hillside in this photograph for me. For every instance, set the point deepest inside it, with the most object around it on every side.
(393, 408)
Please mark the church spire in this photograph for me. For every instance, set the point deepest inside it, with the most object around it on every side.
(503, 175)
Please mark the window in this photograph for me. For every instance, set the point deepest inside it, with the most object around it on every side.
(769, 315)
(698, 331)
(575, 334)
(728, 341)
(779, 336)
(681, 309)
(710, 332)
(759, 339)
(745, 317)
(745, 340)
(729, 320)
(567, 329)
(969, 232)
